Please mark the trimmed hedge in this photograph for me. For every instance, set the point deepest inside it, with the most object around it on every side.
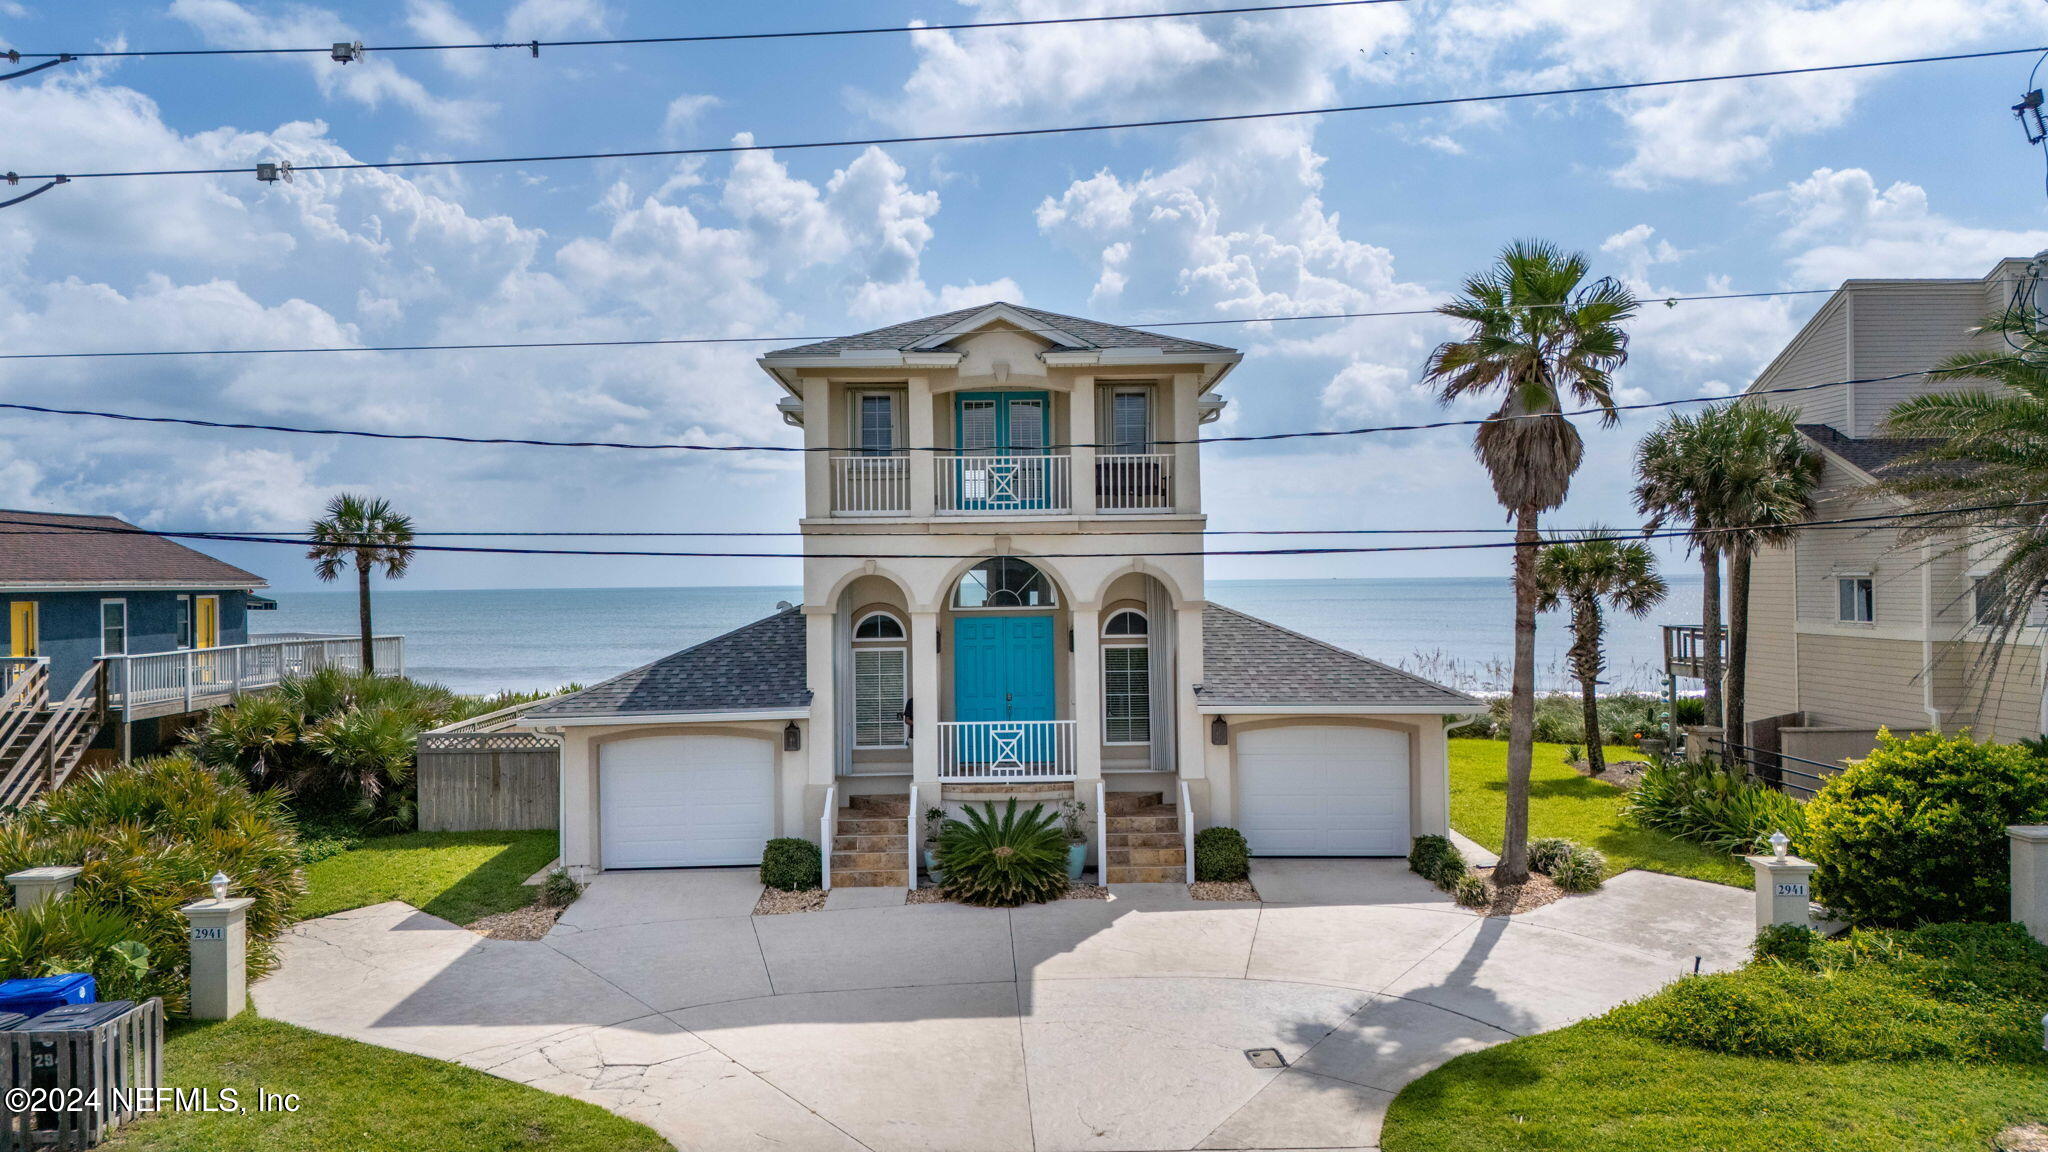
(792, 864)
(1222, 854)
(1437, 860)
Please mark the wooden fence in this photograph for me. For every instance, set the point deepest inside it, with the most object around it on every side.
(475, 781)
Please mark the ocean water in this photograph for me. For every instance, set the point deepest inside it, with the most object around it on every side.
(1457, 631)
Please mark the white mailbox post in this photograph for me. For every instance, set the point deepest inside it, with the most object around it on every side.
(1784, 891)
(219, 935)
(32, 886)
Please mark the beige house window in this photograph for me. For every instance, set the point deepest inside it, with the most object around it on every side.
(1126, 679)
(1856, 597)
(881, 682)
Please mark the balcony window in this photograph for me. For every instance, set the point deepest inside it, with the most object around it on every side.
(1130, 421)
(1857, 599)
(874, 423)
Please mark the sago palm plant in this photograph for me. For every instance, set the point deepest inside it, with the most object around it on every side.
(1001, 861)
(1539, 335)
(1587, 573)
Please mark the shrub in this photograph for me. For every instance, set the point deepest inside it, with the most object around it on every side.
(792, 865)
(1785, 943)
(1437, 860)
(1560, 719)
(148, 836)
(1712, 805)
(560, 889)
(1222, 854)
(1546, 851)
(63, 936)
(1689, 711)
(1001, 861)
(1914, 833)
(1471, 891)
(1583, 870)
(1573, 754)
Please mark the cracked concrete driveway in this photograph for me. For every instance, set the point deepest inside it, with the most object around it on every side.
(1076, 1025)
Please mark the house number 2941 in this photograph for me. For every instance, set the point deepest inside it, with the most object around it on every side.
(1791, 889)
(202, 935)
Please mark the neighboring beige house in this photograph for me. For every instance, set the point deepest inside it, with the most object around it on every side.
(1003, 596)
(1851, 630)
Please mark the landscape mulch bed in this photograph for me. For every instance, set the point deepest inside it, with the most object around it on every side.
(529, 923)
(1620, 773)
(1237, 890)
(934, 894)
(1527, 896)
(776, 902)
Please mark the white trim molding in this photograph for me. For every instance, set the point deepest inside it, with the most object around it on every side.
(617, 719)
(1475, 709)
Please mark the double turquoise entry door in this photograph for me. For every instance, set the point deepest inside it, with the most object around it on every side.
(1002, 464)
(1002, 680)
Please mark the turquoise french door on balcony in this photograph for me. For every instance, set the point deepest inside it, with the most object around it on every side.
(1003, 672)
(1002, 463)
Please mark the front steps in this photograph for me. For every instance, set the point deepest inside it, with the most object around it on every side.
(1144, 840)
(871, 842)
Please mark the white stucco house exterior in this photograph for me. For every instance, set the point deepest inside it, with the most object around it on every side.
(1003, 596)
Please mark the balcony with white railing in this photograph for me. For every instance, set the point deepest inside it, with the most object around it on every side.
(1002, 751)
(871, 485)
(1134, 483)
(168, 683)
(1003, 484)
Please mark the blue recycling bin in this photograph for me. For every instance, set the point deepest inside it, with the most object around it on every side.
(37, 996)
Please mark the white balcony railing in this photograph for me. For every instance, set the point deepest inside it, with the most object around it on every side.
(198, 677)
(992, 751)
(871, 485)
(1134, 483)
(1003, 483)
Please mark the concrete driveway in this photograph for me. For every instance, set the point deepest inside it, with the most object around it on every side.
(1076, 1025)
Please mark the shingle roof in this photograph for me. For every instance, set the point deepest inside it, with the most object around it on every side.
(36, 549)
(756, 667)
(1248, 661)
(899, 337)
(1876, 455)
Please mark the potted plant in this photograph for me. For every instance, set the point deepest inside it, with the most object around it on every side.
(1074, 822)
(934, 820)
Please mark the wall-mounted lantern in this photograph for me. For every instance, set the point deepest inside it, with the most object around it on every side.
(792, 737)
(1219, 732)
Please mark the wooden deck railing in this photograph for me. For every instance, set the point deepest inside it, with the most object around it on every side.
(195, 678)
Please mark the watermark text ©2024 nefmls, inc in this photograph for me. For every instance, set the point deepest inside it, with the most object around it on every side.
(151, 1100)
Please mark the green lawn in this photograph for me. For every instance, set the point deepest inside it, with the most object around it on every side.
(1589, 1089)
(458, 876)
(1564, 803)
(361, 1098)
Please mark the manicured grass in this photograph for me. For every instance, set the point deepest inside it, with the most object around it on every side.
(1588, 1088)
(458, 876)
(1564, 803)
(361, 1098)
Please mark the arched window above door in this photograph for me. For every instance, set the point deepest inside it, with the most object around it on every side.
(1126, 624)
(1004, 582)
(878, 626)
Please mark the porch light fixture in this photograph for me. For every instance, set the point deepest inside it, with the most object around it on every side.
(1219, 732)
(220, 885)
(792, 737)
(1778, 843)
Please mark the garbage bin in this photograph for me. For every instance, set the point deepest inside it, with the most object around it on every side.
(39, 995)
(110, 1058)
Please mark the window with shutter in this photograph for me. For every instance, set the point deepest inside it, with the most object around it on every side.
(879, 684)
(1126, 695)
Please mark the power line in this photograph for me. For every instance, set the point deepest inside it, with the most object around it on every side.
(271, 170)
(1672, 533)
(534, 46)
(494, 346)
(644, 446)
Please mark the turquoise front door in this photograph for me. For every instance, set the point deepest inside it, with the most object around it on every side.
(1002, 465)
(1003, 675)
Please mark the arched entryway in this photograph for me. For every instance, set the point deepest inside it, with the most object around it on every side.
(1005, 628)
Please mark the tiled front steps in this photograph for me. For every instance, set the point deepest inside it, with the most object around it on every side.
(1144, 840)
(870, 843)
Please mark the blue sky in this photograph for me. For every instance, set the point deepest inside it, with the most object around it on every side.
(1791, 183)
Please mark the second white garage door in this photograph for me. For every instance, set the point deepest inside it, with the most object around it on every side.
(686, 801)
(1310, 790)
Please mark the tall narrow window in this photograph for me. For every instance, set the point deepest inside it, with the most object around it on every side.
(1126, 679)
(113, 627)
(184, 621)
(977, 425)
(1983, 600)
(875, 423)
(1858, 599)
(1130, 421)
(879, 691)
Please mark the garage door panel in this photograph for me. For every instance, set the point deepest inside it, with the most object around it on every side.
(686, 801)
(1324, 790)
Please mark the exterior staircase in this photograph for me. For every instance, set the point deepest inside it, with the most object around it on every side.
(871, 843)
(43, 740)
(1145, 844)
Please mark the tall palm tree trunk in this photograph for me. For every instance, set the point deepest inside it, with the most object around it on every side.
(363, 612)
(1710, 629)
(1514, 853)
(1738, 643)
(1586, 662)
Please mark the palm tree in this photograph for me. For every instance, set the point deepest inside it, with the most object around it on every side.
(1539, 334)
(1676, 482)
(1986, 447)
(363, 532)
(1768, 474)
(1587, 572)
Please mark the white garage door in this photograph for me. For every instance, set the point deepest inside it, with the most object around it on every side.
(1310, 790)
(684, 801)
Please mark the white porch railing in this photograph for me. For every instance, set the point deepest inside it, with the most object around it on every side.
(1001, 482)
(992, 751)
(871, 485)
(197, 677)
(828, 834)
(1187, 831)
(1134, 483)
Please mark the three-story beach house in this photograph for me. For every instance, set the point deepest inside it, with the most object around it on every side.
(1003, 596)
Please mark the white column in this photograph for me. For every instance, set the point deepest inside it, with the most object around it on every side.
(1187, 455)
(924, 694)
(580, 818)
(2030, 877)
(1081, 430)
(817, 435)
(1191, 760)
(1087, 714)
(32, 886)
(219, 935)
(919, 435)
(1783, 895)
(819, 662)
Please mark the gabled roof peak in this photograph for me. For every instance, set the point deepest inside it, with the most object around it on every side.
(1070, 333)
